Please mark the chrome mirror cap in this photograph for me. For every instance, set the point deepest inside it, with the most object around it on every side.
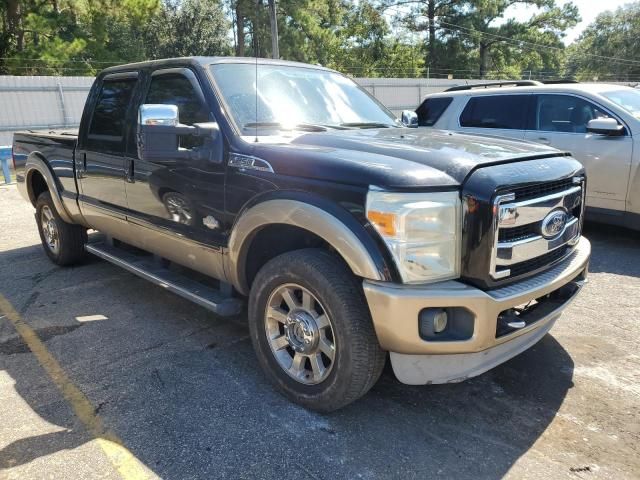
(409, 119)
(154, 114)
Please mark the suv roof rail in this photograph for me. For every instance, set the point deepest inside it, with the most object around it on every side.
(514, 83)
(554, 82)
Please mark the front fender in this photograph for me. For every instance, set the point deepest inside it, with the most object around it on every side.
(308, 217)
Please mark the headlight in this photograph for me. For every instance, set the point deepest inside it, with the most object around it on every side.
(422, 230)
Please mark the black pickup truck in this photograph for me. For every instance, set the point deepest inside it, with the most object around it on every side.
(353, 235)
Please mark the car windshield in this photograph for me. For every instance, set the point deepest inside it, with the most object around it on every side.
(296, 98)
(627, 99)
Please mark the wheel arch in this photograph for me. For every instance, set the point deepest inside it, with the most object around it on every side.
(40, 178)
(312, 221)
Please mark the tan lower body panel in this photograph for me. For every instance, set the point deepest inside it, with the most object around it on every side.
(166, 244)
(395, 308)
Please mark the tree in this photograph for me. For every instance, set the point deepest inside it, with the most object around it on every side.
(191, 27)
(609, 47)
(66, 36)
(473, 33)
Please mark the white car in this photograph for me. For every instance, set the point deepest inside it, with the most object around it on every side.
(598, 123)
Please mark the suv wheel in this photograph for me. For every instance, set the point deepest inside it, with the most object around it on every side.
(311, 329)
(63, 242)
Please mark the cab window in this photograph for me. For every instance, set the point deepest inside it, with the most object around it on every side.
(565, 113)
(495, 111)
(176, 89)
(110, 112)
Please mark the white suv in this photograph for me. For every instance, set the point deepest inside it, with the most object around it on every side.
(598, 123)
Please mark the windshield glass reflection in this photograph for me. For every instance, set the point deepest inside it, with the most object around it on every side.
(296, 98)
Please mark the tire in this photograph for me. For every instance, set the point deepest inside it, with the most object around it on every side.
(62, 242)
(323, 291)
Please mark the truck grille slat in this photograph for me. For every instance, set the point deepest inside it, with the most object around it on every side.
(541, 189)
(535, 226)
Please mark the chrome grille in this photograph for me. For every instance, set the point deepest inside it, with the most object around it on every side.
(531, 233)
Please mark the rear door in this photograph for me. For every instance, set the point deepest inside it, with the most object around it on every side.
(503, 115)
(561, 121)
(99, 159)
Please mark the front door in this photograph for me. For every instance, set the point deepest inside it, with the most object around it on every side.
(99, 158)
(177, 206)
(561, 121)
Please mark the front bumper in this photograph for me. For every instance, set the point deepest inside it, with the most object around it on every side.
(395, 310)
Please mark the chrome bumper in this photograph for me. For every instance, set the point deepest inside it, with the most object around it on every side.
(395, 308)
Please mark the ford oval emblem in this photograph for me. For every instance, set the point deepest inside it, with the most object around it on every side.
(553, 224)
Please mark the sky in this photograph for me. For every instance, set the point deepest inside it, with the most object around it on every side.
(589, 10)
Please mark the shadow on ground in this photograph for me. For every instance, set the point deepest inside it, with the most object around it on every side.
(182, 389)
(615, 249)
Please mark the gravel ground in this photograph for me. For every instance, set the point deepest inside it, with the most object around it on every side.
(182, 390)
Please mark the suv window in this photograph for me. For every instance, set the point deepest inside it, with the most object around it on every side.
(431, 110)
(565, 113)
(111, 109)
(176, 89)
(495, 111)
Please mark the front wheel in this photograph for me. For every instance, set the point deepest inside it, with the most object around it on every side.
(312, 331)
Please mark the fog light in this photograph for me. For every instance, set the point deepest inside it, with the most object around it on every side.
(450, 324)
(439, 321)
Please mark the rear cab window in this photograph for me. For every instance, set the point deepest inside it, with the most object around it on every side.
(431, 110)
(107, 125)
(496, 111)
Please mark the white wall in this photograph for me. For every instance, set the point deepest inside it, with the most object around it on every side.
(37, 103)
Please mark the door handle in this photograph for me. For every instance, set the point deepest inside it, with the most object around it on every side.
(81, 167)
(544, 140)
(130, 175)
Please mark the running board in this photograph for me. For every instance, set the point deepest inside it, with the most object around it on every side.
(149, 269)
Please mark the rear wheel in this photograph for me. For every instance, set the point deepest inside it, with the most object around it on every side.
(311, 329)
(62, 242)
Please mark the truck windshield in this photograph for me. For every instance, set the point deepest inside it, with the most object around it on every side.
(296, 98)
(627, 99)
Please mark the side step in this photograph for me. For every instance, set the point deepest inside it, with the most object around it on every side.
(144, 266)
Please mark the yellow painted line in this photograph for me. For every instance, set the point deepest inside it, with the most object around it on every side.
(128, 466)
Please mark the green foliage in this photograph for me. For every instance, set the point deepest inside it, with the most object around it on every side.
(609, 48)
(192, 27)
(471, 38)
(368, 38)
(80, 37)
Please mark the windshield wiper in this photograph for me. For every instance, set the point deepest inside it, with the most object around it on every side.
(309, 127)
(366, 125)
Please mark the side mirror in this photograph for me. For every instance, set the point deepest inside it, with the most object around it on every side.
(409, 119)
(159, 131)
(605, 126)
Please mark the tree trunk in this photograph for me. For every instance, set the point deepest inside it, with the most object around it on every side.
(431, 46)
(273, 20)
(240, 21)
(484, 57)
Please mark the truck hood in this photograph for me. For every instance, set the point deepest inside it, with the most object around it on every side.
(392, 157)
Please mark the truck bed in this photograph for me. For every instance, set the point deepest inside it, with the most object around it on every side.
(55, 147)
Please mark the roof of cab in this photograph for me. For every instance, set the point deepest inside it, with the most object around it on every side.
(204, 61)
